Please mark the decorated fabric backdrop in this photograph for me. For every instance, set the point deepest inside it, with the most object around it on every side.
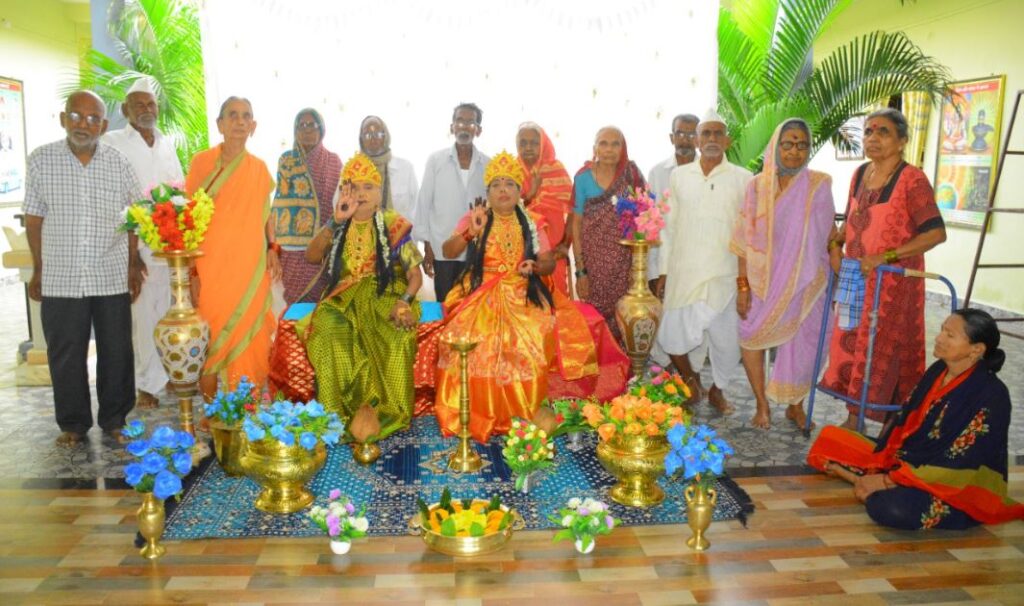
(412, 464)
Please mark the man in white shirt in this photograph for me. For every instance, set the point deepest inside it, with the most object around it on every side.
(698, 272)
(452, 180)
(155, 161)
(683, 138)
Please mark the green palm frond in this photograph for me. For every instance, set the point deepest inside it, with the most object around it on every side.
(799, 25)
(158, 39)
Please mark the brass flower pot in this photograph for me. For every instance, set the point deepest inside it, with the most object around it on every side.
(228, 444)
(636, 461)
(282, 471)
(466, 546)
(365, 453)
(700, 506)
(638, 312)
(151, 525)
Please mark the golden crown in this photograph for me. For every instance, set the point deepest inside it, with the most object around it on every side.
(360, 169)
(504, 165)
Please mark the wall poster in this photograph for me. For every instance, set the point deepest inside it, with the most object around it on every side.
(13, 155)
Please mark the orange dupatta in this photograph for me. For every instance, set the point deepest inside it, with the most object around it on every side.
(553, 199)
(236, 299)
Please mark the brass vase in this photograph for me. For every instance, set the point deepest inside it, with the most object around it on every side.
(636, 461)
(228, 445)
(151, 525)
(700, 505)
(638, 312)
(365, 453)
(282, 471)
(182, 337)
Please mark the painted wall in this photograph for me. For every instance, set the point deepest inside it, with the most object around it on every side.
(39, 43)
(974, 38)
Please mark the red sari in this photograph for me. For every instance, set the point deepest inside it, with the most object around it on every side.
(879, 220)
(552, 200)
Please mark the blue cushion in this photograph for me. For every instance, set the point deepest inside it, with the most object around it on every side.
(430, 311)
(297, 311)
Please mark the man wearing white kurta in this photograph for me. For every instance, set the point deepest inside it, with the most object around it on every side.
(698, 272)
(153, 157)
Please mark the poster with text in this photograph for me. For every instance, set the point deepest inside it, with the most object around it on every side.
(12, 140)
(968, 149)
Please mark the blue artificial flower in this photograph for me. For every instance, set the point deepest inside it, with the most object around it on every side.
(677, 435)
(308, 440)
(133, 473)
(164, 437)
(716, 463)
(182, 462)
(334, 424)
(287, 438)
(253, 432)
(672, 462)
(315, 409)
(137, 448)
(330, 438)
(185, 440)
(266, 418)
(133, 430)
(154, 462)
(705, 433)
(166, 484)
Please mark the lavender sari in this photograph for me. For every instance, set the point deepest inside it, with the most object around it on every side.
(783, 236)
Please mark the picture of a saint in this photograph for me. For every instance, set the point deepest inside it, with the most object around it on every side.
(980, 130)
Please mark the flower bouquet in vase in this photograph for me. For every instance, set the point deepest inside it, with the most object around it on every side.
(571, 423)
(697, 455)
(527, 451)
(160, 463)
(285, 449)
(168, 220)
(225, 413)
(341, 520)
(661, 386)
(582, 520)
(633, 445)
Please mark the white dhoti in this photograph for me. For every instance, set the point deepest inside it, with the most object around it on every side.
(697, 330)
(153, 302)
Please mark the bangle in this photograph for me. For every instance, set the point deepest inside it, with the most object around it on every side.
(274, 246)
(406, 298)
(742, 283)
(834, 244)
(891, 256)
(581, 272)
(468, 237)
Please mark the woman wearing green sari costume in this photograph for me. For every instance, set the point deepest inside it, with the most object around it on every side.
(361, 339)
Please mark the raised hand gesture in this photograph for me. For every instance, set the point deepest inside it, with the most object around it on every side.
(344, 203)
(477, 217)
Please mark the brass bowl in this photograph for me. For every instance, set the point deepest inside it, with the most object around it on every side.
(466, 546)
(636, 461)
(228, 444)
(282, 471)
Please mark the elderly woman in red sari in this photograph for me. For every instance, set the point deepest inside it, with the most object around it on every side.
(891, 218)
(602, 264)
(943, 462)
(781, 241)
(307, 176)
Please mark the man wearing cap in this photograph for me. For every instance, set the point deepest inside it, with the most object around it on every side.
(155, 161)
(697, 270)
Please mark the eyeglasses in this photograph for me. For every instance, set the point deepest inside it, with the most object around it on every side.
(309, 126)
(684, 134)
(788, 145)
(461, 124)
(90, 120)
(369, 136)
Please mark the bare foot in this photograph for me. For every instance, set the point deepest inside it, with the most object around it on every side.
(116, 436)
(146, 401)
(762, 420)
(697, 392)
(796, 414)
(69, 439)
(851, 423)
(717, 399)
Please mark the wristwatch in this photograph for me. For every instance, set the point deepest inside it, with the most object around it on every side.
(406, 298)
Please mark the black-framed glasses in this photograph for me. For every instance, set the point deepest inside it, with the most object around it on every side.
(90, 120)
(684, 134)
(314, 125)
(788, 145)
(369, 136)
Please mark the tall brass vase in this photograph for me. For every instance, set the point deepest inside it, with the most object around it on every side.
(638, 312)
(636, 461)
(282, 471)
(182, 336)
(151, 525)
(700, 506)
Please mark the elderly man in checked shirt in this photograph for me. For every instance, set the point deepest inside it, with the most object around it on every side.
(85, 272)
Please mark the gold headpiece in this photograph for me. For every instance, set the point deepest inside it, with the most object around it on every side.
(504, 165)
(360, 169)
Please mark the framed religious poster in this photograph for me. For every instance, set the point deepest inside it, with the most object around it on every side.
(13, 155)
(968, 149)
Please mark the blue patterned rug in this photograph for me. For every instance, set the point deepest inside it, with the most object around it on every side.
(412, 464)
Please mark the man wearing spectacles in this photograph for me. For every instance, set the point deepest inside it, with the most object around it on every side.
(452, 181)
(85, 271)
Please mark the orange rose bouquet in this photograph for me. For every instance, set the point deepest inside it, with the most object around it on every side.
(631, 414)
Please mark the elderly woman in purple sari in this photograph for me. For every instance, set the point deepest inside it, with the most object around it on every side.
(781, 241)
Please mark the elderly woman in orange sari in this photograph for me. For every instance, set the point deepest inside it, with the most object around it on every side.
(239, 254)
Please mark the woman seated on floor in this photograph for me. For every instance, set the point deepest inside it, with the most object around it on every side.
(942, 462)
(361, 339)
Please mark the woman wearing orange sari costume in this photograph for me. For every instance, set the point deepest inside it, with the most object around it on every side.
(236, 267)
(501, 303)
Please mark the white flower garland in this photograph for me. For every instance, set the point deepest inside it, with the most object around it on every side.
(534, 238)
(382, 236)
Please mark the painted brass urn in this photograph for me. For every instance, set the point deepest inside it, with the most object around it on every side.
(636, 461)
(700, 505)
(228, 445)
(151, 525)
(282, 471)
(638, 312)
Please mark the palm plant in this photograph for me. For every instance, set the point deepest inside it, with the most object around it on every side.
(158, 39)
(765, 73)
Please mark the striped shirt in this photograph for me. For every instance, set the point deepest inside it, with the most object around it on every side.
(84, 254)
